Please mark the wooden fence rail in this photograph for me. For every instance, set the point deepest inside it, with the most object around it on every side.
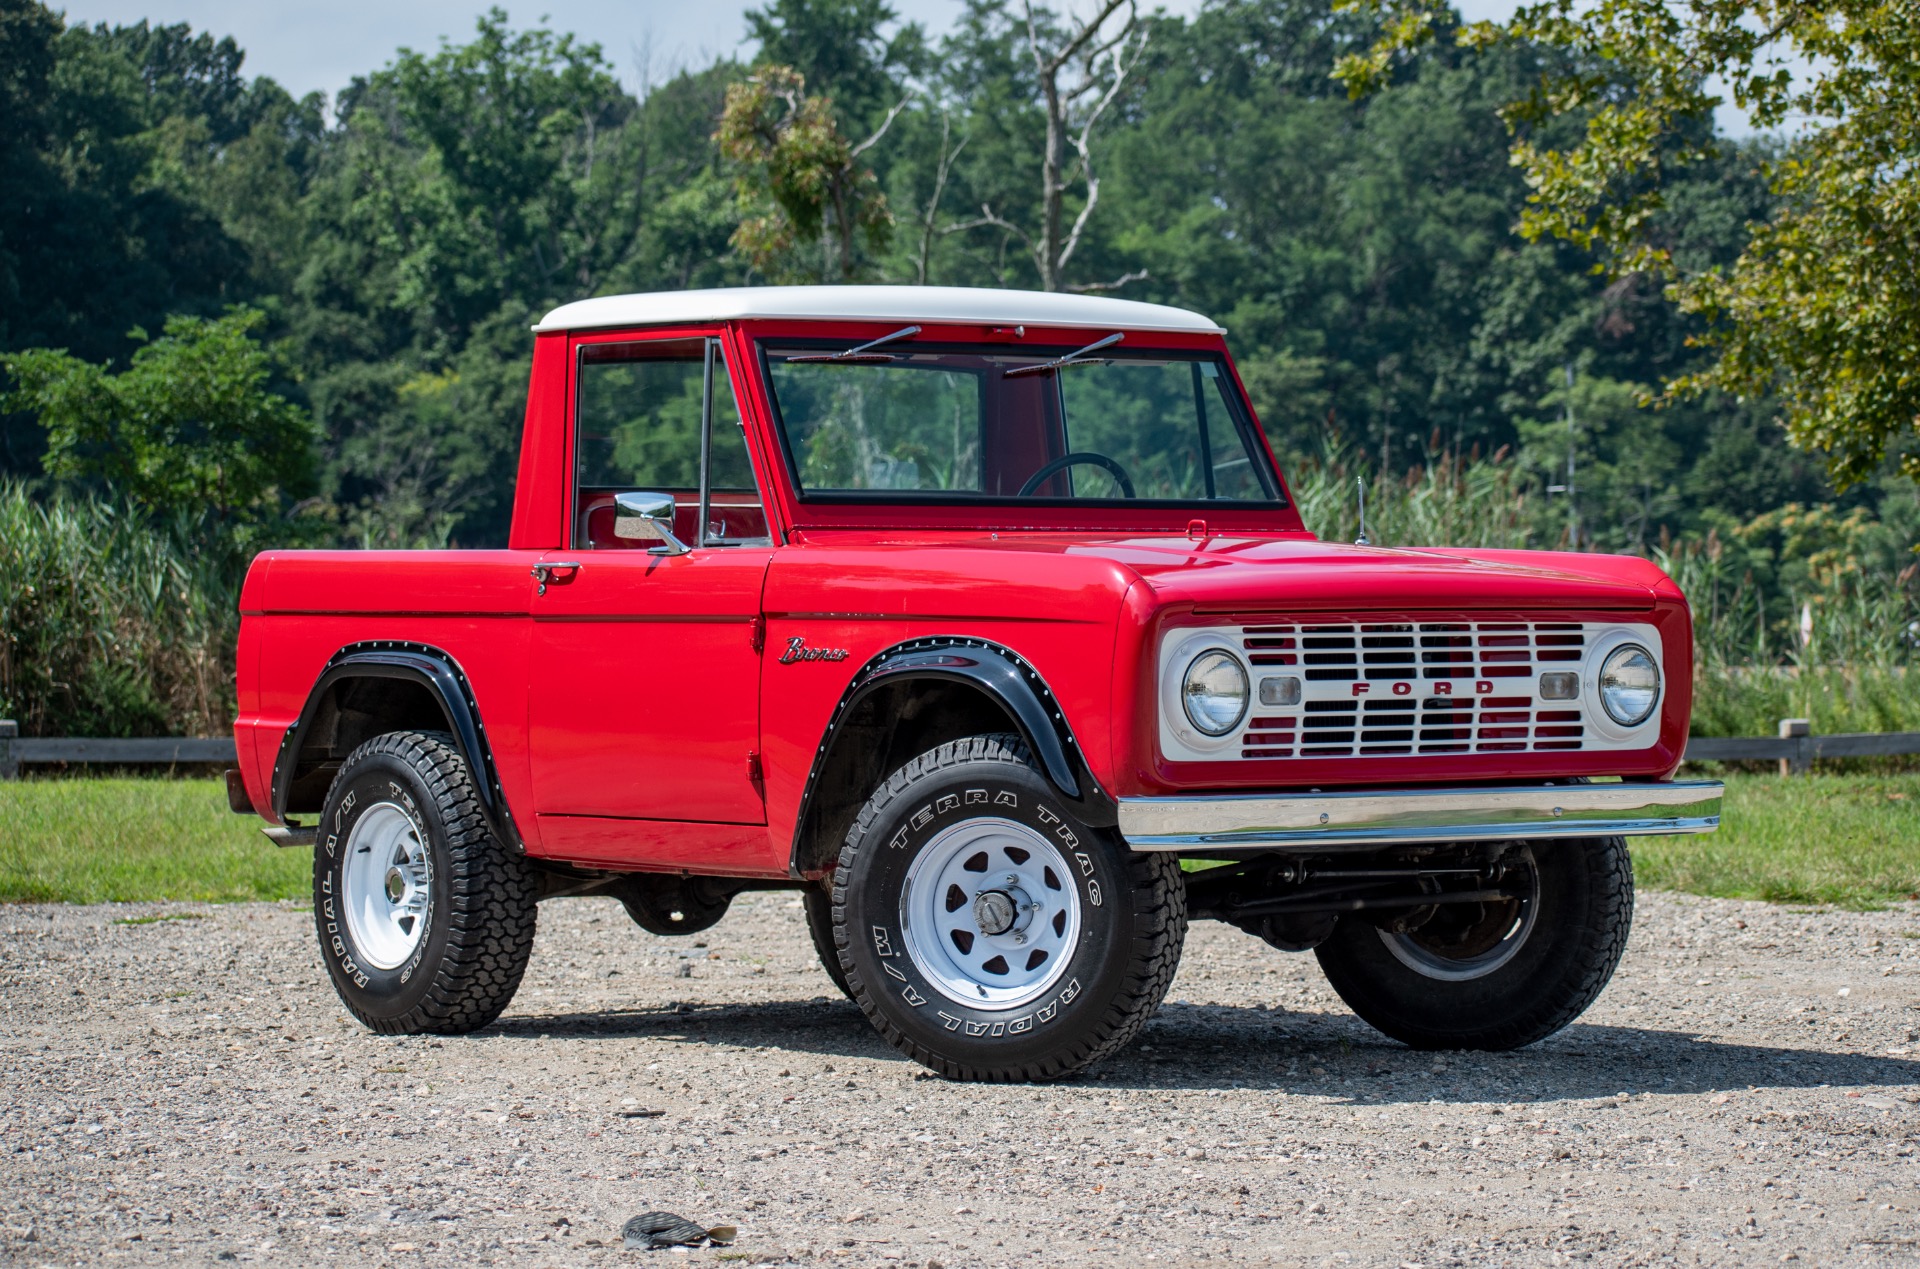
(16, 752)
(1795, 748)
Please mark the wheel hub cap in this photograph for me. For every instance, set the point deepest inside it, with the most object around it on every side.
(991, 912)
(1003, 911)
(1469, 941)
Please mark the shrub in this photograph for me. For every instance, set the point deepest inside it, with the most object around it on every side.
(111, 623)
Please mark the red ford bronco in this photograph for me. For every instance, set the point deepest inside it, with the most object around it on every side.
(969, 614)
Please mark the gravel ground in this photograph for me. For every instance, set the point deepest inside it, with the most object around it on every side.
(178, 1084)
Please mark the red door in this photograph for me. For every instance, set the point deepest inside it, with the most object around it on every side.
(643, 681)
(644, 685)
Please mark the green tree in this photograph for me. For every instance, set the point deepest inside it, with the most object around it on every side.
(1820, 306)
(1068, 82)
(94, 241)
(1360, 251)
(1625, 475)
(462, 193)
(840, 48)
(189, 427)
(800, 182)
(686, 208)
(487, 171)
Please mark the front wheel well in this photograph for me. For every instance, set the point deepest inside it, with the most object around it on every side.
(883, 731)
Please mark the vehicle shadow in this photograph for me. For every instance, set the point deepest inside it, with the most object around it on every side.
(1189, 1046)
(1213, 1046)
(826, 1025)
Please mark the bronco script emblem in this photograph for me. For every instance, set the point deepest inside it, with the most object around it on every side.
(797, 650)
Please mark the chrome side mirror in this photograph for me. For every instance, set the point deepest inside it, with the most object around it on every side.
(641, 516)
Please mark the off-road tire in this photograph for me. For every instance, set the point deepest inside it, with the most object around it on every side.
(1577, 938)
(818, 900)
(1132, 922)
(482, 905)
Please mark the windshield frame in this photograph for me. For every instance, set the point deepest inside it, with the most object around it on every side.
(944, 508)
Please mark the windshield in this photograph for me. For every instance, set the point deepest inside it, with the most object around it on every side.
(948, 423)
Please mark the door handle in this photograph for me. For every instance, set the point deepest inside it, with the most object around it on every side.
(543, 573)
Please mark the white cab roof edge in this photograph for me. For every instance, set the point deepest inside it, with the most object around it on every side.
(970, 305)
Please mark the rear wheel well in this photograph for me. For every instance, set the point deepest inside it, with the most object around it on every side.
(353, 711)
(881, 733)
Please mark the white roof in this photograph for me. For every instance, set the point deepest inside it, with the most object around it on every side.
(970, 305)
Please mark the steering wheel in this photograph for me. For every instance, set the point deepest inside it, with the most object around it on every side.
(1083, 456)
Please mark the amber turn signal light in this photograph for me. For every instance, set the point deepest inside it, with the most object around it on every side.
(1560, 685)
(1283, 689)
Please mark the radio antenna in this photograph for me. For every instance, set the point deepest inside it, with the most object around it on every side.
(1360, 484)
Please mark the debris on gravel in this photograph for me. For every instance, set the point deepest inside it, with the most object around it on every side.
(651, 1231)
(183, 1091)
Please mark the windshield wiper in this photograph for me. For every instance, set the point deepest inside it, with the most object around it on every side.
(859, 353)
(1076, 358)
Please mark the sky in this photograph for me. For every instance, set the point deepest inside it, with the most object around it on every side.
(309, 47)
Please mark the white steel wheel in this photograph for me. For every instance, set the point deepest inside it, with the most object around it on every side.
(990, 914)
(1462, 942)
(387, 884)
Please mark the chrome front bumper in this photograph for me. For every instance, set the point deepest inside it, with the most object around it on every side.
(1310, 821)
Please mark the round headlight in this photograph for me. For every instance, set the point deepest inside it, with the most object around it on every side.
(1214, 691)
(1629, 685)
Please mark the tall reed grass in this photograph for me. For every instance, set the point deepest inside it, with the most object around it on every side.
(1450, 502)
(1845, 655)
(112, 624)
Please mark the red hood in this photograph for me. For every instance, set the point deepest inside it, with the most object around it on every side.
(1284, 572)
(1302, 574)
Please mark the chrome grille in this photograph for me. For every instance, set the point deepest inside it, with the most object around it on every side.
(1411, 688)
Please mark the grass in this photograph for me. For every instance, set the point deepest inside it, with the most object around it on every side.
(129, 839)
(112, 624)
(1848, 840)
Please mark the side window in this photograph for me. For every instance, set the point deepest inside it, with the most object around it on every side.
(640, 407)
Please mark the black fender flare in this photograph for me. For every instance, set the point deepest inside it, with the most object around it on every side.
(431, 668)
(1004, 677)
